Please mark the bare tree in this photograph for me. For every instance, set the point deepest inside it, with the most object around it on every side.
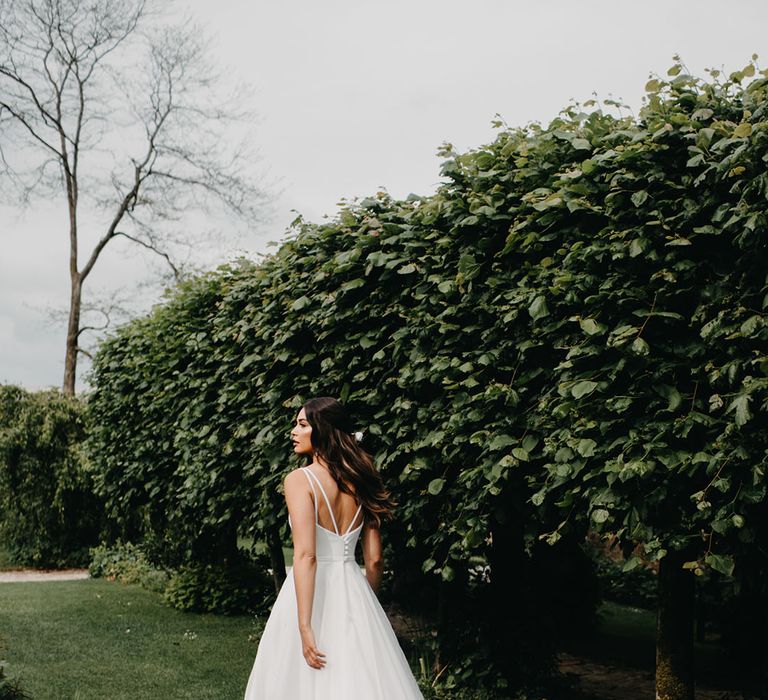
(106, 103)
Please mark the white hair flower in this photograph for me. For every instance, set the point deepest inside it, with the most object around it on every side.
(358, 436)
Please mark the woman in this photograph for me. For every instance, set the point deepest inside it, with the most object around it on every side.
(327, 637)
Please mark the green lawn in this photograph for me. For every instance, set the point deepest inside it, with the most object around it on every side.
(97, 639)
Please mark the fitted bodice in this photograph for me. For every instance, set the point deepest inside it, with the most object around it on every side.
(331, 546)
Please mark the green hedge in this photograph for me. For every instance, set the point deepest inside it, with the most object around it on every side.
(570, 334)
(49, 514)
(655, 288)
(127, 563)
(232, 587)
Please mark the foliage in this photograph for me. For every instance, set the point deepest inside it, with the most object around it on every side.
(569, 334)
(128, 564)
(240, 587)
(10, 689)
(636, 587)
(236, 588)
(5, 560)
(657, 407)
(438, 693)
(49, 515)
(145, 438)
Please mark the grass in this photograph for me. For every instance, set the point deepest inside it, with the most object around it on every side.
(627, 634)
(94, 639)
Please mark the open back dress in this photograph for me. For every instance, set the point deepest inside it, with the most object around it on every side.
(364, 660)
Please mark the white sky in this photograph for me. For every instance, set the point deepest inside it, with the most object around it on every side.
(355, 95)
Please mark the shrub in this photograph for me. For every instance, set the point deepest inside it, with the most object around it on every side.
(636, 587)
(438, 693)
(128, 564)
(49, 515)
(241, 587)
(10, 689)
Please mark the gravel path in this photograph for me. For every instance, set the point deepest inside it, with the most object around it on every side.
(17, 575)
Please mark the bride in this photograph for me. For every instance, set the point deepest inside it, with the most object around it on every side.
(327, 637)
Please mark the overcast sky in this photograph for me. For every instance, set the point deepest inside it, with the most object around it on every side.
(355, 95)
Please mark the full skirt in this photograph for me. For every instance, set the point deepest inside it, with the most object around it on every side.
(364, 660)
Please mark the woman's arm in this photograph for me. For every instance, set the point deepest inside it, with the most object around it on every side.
(302, 512)
(372, 556)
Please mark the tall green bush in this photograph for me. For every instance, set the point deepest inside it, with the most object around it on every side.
(152, 383)
(49, 514)
(660, 297)
(568, 335)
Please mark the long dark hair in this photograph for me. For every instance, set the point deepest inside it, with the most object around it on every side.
(349, 464)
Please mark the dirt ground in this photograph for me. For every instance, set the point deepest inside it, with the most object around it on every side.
(595, 680)
(609, 682)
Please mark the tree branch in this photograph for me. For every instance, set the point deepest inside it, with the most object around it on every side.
(21, 119)
(154, 249)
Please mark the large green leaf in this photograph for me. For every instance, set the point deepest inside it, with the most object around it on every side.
(583, 388)
(538, 308)
(719, 562)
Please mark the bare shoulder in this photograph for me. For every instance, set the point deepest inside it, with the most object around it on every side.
(293, 478)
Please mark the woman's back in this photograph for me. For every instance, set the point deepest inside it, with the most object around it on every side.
(345, 507)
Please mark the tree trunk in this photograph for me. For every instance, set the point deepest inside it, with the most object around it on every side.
(276, 557)
(75, 287)
(674, 631)
(700, 615)
(753, 633)
(509, 614)
(763, 667)
(746, 632)
(73, 329)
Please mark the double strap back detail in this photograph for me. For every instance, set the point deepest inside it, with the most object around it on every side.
(314, 480)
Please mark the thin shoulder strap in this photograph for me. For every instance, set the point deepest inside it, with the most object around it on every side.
(349, 529)
(325, 496)
(314, 493)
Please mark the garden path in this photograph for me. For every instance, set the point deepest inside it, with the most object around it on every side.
(16, 575)
(601, 681)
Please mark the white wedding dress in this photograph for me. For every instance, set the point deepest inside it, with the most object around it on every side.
(364, 660)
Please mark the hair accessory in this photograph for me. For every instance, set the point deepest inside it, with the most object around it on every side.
(358, 436)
